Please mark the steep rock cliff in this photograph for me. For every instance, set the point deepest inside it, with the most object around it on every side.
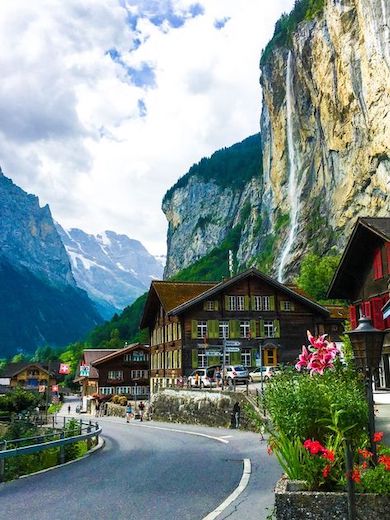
(326, 128)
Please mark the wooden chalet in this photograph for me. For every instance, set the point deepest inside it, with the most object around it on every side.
(188, 321)
(124, 372)
(363, 277)
(87, 375)
(30, 375)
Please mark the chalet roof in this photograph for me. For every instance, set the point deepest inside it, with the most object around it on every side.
(91, 355)
(367, 235)
(250, 272)
(170, 295)
(120, 352)
(12, 369)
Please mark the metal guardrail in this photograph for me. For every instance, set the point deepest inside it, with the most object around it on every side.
(91, 430)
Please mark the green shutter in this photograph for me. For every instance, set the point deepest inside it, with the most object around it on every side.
(292, 306)
(234, 329)
(216, 305)
(253, 305)
(253, 357)
(213, 360)
(213, 329)
(262, 333)
(194, 329)
(205, 305)
(281, 305)
(272, 303)
(194, 358)
(235, 358)
(226, 303)
(246, 303)
(253, 328)
(276, 329)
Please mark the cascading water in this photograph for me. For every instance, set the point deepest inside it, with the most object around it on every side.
(385, 31)
(293, 195)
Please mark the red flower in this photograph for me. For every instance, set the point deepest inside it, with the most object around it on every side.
(326, 471)
(378, 436)
(313, 446)
(365, 453)
(355, 476)
(329, 455)
(364, 465)
(385, 460)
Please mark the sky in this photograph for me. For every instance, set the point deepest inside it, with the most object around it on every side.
(104, 104)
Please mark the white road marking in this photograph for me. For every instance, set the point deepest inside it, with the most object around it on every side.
(219, 439)
(226, 436)
(236, 493)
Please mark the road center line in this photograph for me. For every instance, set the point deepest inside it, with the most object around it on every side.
(236, 493)
(219, 439)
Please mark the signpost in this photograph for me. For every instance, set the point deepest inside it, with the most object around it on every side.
(230, 343)
(232, 349)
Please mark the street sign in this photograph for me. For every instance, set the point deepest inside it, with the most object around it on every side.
(229, 350)
(230, 343)
(212, 353)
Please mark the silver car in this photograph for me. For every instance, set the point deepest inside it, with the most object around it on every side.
(236, 373)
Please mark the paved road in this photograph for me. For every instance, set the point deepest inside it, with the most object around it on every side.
(145, 472)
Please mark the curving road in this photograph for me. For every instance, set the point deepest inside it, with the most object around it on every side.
(146, 472)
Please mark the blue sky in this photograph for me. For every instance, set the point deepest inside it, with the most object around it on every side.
(105, 103)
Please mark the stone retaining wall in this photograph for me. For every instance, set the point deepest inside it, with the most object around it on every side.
(315, 505)
(203, 407)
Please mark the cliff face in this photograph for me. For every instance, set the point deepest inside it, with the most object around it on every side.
(326, 128)
(325, 134)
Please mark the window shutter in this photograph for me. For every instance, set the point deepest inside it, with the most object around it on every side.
(367, 309)
(292, 306)
(272, 303)
(205, 305)
(194, 329)
(281, 305)
(262, 332)
(246, 303)
(216, 305)
(276, 329)
(253, 304)
(377, 316)
(213, 360)
(253, 357)
(234, 329)
(213, 329)
(226, 303)
(235, 358)
(253, 327)
(352, 316)
(378, 266)
(194, 358)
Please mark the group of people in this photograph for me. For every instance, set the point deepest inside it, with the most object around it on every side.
(130, 412)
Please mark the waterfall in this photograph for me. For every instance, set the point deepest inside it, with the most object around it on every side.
(293, 195)
(385, 29)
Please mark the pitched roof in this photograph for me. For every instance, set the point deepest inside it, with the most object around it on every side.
(338, 311)
(250, 272)
(367, 234)
(120, 352)
(91, 355)
(12, 369)
(170, 295)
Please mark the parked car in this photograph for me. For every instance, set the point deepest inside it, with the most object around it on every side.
(205, 378)
(262, 373)
(236, 373)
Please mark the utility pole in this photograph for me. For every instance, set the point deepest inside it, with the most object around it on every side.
(47, 389)
(231, 263)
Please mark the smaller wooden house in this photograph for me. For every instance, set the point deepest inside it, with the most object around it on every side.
(30, 375)
(87, 375)
(124, 372)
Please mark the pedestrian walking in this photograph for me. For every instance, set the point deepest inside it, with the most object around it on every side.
(197, 379)
(141, 408)
(236, 415)
(218, 377)
(129, 412)
(68, 409)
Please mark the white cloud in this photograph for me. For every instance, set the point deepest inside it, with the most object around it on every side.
(72, 129)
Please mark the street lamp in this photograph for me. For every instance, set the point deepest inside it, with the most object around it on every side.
(367, 343)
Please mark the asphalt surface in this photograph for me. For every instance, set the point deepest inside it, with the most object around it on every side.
(145, 472)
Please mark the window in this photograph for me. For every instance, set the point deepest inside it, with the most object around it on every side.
(223, 329)
(240, 304)
(287, 306)
(202, 361)
(378, 266)
(139, 374)
(269, 328)
(244, 329)
(257, 303)
(202, 329)
(261, 303)
(265, 303)
(246, 357)
(209, 305)
(232, 303)
(115, 375)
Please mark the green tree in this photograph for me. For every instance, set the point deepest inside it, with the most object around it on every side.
(44, 353)
(316, 273)
(18, 358)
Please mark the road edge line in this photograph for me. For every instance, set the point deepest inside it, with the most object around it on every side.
(219, 439)
(247, 470)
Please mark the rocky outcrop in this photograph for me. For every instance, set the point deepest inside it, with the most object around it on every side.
(326, 128)
(112, 268)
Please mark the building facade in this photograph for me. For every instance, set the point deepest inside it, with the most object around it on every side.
(363, 277)
(30, 376)
(188, 324)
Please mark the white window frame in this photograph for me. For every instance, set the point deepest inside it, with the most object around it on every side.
(201, 329)
(232, 303)
(202, 359)
(265, 302)
(223, 328)
(209, 305)
(240, 303)
(245, 328)
(269, 329)
(115, 375)
(287, 305)
(258, 303)
(246, 357)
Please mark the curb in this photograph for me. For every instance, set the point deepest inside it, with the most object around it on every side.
(98, 447)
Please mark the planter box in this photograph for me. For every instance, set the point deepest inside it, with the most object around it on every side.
(293, 503)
